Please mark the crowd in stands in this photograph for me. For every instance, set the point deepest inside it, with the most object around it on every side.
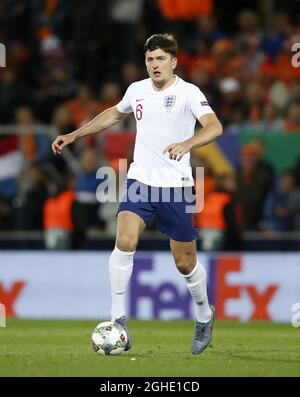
(68, 61)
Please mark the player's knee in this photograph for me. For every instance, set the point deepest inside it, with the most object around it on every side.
(185, 261)
(127, 243)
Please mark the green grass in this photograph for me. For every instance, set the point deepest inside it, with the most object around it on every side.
(62, 348)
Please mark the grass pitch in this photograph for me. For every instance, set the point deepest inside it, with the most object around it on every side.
(160, 348)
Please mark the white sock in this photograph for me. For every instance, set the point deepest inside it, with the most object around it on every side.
(120, 269)
(196, 283)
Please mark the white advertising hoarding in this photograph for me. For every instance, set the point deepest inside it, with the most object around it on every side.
(76, 285)
(55, 285)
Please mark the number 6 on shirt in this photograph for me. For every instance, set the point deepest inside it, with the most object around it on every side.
(138, 111)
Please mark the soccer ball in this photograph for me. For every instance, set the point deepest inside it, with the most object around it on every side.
(109, 339)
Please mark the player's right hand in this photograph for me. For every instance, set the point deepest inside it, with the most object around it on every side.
(60, 142)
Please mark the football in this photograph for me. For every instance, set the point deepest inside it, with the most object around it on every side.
(109, 338)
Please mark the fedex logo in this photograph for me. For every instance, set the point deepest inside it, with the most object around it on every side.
(220, 291)
(9, 297)
(156, 293)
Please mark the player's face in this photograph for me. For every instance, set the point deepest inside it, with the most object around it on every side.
(160, 66)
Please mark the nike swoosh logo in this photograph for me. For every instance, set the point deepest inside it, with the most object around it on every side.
(138, 100)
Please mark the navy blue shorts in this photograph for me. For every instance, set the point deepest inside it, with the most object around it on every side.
(174, 208)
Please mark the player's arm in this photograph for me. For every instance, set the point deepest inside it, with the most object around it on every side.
(211, 130)
(104, 120)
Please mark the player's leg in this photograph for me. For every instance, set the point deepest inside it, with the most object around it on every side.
(135, 211)
(185, 256)
(129, 228)
(175, 218)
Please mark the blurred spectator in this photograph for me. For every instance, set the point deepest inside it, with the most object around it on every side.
(258, 115)
(279, 95)
(207, 29)
(222, 53)
(51, 47)
(32, 199)
(62, 124)
(202, 58)
(55, 69)
(125, 16)
(239, 119)
(110, 95)
(254, 181)
(281, 30)
(276, 211)
(270, 121)
(7, 218)
(294, 90)
(220, 221)
(13, 19)
(130, 72)
(253, 94)
(83, 107)
(34, 143)
(88, 40)
(248, 24)
(294, 208)
(292, 121)
(49, 13)
(212, 92)
(246, 63)
(259, 145)
(12, 94)
(86, 205)
(58, 87)
(58, 222)
(232, 99)
(62, 120)
(206, 32)
(19, 58)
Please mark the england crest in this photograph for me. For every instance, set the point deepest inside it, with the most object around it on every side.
(169, 101)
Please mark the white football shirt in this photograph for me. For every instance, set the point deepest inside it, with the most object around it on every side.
(162, 118)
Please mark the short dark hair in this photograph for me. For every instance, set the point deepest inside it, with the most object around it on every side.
(163, 41)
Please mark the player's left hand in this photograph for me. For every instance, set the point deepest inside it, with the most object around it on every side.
(177, 150)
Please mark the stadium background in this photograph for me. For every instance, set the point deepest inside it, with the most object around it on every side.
(68, 60)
